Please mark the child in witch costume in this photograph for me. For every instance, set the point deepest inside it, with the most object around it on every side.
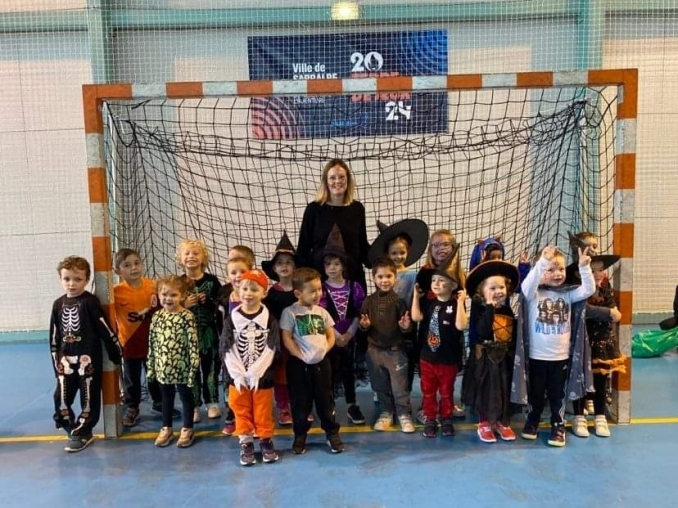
(552, 355)
(403, 242)
(280, 296)
(486, 387)
(343, 299)
(601, 312)
(443, 321)
(249, 343)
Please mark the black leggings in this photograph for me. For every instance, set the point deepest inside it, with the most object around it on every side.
(343, 369)
(187, 403)
(599, 402)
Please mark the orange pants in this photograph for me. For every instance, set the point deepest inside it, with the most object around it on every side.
(253, 411)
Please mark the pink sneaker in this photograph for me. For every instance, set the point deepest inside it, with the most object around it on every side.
(284, 417)
(485, 433)
(505, 433)
(228, 429)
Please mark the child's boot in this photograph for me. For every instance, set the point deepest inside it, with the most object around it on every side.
(579, 427)
(602, 430)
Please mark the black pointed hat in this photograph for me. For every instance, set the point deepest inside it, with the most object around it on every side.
(607, 259)
(425, 275)
(576, 244)
(284, 247)
(415, 233)
(335, 244)
(491, 269)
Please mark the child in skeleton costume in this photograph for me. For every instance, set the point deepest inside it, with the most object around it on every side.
(228, 300)
(193, 257)
(552, 355)
(77, 328)
(486, 386)
(249, 343)
(173, 357)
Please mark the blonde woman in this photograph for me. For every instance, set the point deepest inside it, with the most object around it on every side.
(335, 204)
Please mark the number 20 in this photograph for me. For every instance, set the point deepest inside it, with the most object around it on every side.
(372, 61)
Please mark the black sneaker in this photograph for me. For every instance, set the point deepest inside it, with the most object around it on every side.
(447, 428)
(79, 443)
(156, 409)
(355, 415)
(430, 429)
(557, 437)
(335, 443)
(247, 457)
(529, 431)
(299, 445)
(268, 452)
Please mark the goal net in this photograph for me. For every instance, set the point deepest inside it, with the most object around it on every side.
(529, 164)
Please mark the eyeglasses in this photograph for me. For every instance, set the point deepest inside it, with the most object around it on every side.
(442, 245)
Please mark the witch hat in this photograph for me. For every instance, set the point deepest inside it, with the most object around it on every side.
(425, 275)
(335, 244)
(415, 233)
(490, 269)
(284, 247)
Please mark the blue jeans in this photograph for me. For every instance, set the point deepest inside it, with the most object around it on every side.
(388, 376)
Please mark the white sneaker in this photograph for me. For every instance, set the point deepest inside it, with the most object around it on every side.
(602, 430)
(579, 427)
(213, 411)
(406, 424)
(196, 415)
(383, 422)
(589, 409)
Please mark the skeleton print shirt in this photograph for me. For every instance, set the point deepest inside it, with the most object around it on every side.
(248, 345)
(77, 327)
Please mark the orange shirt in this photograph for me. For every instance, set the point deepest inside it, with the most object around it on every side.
(133, 329)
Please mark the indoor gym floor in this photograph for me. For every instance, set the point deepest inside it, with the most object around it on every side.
(636, 466)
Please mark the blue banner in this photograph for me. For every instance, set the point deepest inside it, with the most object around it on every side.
(419, 53)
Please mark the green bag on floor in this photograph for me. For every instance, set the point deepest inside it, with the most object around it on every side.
(653, 342)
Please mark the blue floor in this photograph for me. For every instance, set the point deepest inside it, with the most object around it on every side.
(635, 466)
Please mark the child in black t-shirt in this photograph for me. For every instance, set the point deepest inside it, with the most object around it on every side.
(443, 320)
